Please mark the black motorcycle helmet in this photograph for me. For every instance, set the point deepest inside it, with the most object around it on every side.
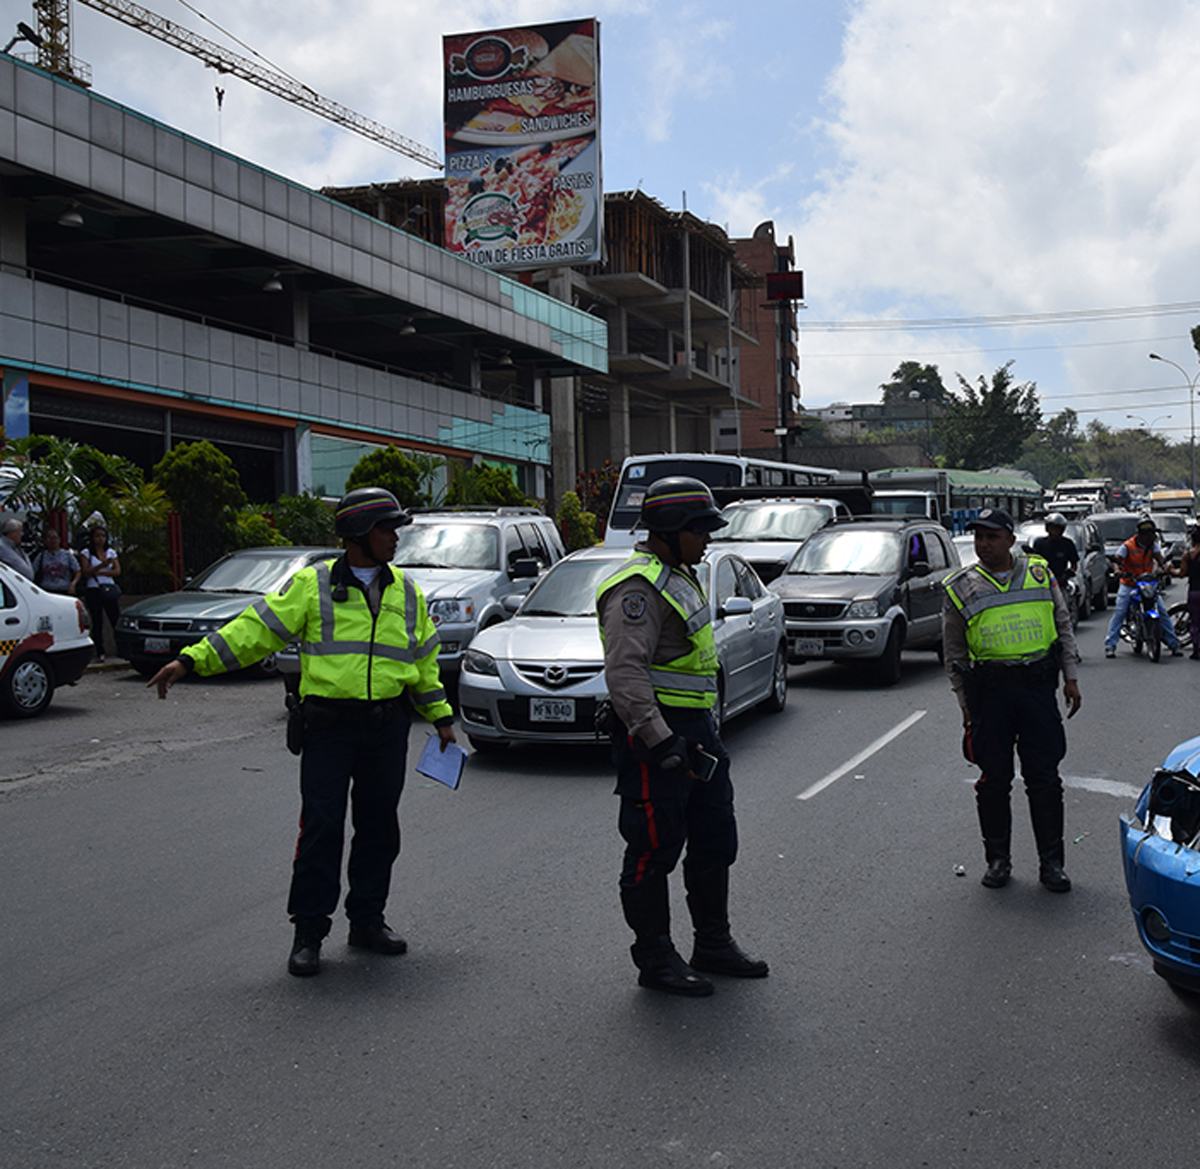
(366, 507)
(679, 502)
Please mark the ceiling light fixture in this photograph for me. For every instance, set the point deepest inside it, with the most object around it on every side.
(274, 284)
(505, 359)
(408, 328)
(71, 217)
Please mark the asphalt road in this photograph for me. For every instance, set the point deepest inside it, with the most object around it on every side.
(911, 1016)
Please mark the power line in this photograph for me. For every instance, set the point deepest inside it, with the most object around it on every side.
(914, 353)
(1062, 317)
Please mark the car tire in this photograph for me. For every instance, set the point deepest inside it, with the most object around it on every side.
(147, 669)
(777, 699)
(887, 669)
(27, 686)
(488, 746)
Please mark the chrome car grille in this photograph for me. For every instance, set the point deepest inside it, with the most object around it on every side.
(159, 625)
(814, 610)
(555, 676)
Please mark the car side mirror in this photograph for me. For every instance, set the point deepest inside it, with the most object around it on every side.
(736, 607)
(524, 568)
(919, 568)
(511, 603)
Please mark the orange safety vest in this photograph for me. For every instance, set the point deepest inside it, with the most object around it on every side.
(1138, 561)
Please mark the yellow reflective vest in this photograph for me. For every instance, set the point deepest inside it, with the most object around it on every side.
(1013, 621)
(691, 680)
(346, 651)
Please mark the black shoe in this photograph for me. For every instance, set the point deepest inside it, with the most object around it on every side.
(1177, 652)
(998, 873)
(376, 936)
(305, 958)
(1195, 655)
(1053, 877)
(670, 973)
(730, 959)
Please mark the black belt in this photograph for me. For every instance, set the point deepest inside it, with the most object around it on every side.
(1027, 673)
(323, 713)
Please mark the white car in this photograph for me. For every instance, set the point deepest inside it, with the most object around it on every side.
(44, 643)
(537, 677)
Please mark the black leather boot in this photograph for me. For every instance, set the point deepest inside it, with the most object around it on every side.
(1046, 811)
(715, 951)
(305, 958)
(647, 910)
(999, 864)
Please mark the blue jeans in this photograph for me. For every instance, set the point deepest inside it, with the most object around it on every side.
(1124, 596)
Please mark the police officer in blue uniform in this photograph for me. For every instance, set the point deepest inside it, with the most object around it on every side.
(661, 671)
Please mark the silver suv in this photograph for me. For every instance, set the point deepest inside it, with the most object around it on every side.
(468, 563)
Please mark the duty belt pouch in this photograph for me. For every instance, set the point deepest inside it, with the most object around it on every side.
(295, 724)
(606, 722)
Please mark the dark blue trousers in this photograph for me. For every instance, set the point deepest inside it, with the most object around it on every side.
(364, 765)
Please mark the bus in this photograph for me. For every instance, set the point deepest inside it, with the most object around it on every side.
(955, 497)
(639, 471)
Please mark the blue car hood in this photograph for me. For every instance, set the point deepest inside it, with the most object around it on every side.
(1185, 757)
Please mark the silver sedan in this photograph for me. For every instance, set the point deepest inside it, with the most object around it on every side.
(537, 677)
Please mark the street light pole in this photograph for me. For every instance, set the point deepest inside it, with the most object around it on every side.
(1191, 385)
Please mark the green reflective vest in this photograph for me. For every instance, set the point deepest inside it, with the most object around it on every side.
(346, 652)
(690, 680)
(1013, 621)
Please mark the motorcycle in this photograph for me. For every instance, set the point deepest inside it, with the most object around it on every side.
(1160, 851)
(1141, 625)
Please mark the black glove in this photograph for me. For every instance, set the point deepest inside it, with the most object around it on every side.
(672, 754)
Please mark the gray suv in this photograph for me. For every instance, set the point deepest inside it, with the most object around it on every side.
(864, 590)
(469, 562)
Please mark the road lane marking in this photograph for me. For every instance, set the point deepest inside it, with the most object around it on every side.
(1088, 783)
(863, 755)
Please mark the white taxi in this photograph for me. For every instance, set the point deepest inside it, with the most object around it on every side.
(44, 643)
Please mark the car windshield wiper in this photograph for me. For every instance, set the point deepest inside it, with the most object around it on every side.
(236, 592)
(552, 613)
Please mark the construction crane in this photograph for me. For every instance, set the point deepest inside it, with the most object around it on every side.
(54, 56)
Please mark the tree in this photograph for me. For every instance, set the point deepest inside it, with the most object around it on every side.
(304, 519)
(392, 469)
(911, 377)
(1053, 453)
(491, 486)
(578, 526)
(201, 481)
(986, 425)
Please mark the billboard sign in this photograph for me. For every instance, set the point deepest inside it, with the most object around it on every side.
(522, 124)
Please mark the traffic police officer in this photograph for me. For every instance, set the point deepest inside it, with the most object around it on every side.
(368, 658)
(1006, 633)
(660, 664)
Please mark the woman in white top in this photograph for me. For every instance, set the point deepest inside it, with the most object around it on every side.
(99, 568)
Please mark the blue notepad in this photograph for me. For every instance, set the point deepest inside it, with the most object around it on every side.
(444, 766)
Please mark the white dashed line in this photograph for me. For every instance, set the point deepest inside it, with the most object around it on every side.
(865, 754)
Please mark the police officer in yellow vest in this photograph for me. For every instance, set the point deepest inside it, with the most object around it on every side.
(1007, 633)
(660, 665)
(368, 659)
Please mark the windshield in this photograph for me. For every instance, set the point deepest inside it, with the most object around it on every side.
(249, 574)
(1172, 522)
(848, 552)
(1116, 528)
(447, 546)
(772, 521)
(569, 588)
(638, 476)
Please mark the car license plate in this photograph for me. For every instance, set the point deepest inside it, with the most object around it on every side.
(552, 710)
(809, 647)
(157, 645)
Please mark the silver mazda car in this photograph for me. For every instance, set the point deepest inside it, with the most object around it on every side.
(537, 677)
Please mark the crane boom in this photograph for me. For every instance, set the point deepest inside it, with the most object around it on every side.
(221, 59)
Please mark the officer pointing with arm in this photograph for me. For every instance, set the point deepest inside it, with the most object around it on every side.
(1006, 633)
(368, 659)
(660, 666)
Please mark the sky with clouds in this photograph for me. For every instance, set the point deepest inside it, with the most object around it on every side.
(937, 161)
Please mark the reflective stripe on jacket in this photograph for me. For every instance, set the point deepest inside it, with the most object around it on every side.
(690, 680)
(1013, 621)
(346, 652)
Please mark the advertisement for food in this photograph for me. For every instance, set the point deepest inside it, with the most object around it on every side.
(523, 145)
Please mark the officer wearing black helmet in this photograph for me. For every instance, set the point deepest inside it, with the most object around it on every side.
(660, 666)
(368, 660)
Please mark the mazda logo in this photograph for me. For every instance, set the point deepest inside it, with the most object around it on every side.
(555, 675)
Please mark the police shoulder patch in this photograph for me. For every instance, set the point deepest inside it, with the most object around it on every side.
(1038, 573)
(634, 606)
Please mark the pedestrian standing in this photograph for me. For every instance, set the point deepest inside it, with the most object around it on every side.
(368, 660)
(55, 568)
(99, 568)
(1006, 634)
(1189, 566)
(11, 553)
(660, 665)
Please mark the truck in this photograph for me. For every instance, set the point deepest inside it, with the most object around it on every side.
(1096, 494)
(1170, 499)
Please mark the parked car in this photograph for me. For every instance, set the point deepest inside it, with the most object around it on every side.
(965, 546)
(153, 631)
(1173, 534)
(538, 677)
(469, 562)
(768, 532)
(45, 644)
(864, 590)
(1093, 563)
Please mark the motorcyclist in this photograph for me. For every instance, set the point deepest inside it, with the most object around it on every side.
(1138, 557)
(1058, 549)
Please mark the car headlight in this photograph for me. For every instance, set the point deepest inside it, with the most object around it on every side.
(864, 609)
(455, 612)
(477, 662)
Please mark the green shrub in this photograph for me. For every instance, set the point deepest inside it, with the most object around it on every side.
(486, 486)
(251, 529)
(578, 527)
(390, 468)
(304, 519)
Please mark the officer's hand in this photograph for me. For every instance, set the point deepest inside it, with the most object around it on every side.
(446, 734)
(167, 677)
(1073, 697)
(672, 755)
(966, 719)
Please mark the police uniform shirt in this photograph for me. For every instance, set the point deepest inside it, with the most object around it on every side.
(954, 630)
(640, 628)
